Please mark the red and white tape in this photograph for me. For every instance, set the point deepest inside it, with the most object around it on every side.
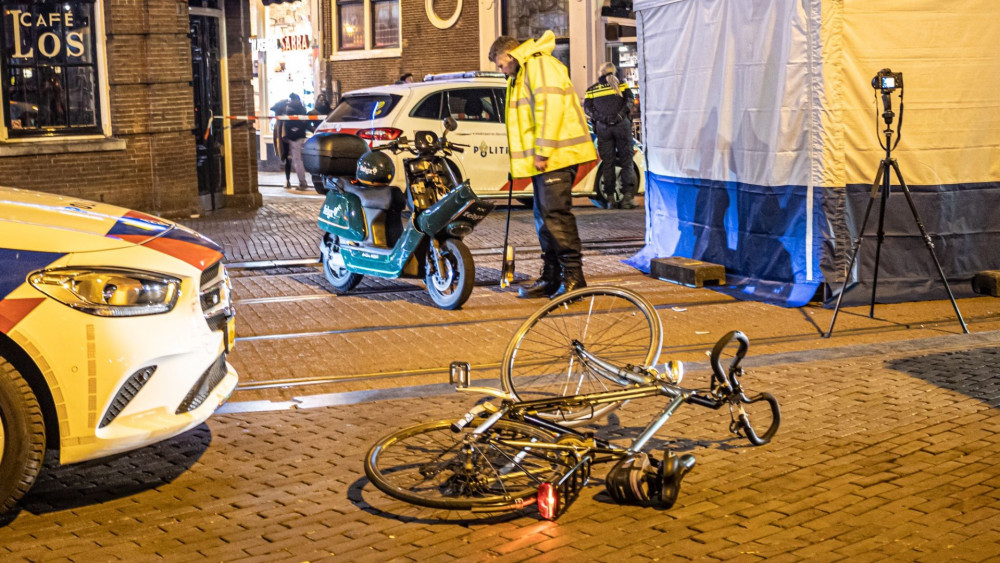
(277, 117)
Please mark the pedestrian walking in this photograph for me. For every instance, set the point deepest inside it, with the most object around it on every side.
(547, 138)
(608, 104)
(278, 140)
(294, 134)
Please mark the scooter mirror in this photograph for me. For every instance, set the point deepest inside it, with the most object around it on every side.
(450, 123)
(507, 269)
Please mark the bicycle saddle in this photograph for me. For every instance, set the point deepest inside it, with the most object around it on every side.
(637, 480)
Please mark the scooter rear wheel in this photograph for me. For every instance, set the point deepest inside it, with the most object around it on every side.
(452, 287)
(340, 278)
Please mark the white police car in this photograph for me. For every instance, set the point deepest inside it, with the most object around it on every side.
(476, 101)
(114, 331)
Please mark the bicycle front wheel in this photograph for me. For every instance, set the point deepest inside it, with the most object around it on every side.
(615, 324)
(430, 465)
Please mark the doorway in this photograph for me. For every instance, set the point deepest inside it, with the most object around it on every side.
(206, 79)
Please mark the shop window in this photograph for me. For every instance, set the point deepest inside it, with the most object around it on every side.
(367, 24)
(524, 19)
(50, 68)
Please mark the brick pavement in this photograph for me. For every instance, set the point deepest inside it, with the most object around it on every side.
(885, 452)
(285, 227)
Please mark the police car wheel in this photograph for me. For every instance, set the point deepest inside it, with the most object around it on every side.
(22, 436)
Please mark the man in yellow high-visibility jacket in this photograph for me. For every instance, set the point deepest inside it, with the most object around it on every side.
(547, 138)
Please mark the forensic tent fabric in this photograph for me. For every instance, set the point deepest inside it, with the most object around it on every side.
(762, 134)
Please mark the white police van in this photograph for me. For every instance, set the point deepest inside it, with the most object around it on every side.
(476, 101)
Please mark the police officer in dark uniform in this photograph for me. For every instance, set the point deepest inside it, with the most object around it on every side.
(608, 105)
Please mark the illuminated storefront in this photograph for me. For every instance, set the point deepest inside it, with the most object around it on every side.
(285, 52)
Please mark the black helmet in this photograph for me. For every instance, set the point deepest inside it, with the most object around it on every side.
(375, 168)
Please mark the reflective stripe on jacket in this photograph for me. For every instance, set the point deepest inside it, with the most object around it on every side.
(602, 105)
(544, 117)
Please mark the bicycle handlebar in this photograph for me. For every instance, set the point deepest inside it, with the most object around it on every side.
(744, 421)
(725, 376)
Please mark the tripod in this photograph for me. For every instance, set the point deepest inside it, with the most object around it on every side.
(881, 187)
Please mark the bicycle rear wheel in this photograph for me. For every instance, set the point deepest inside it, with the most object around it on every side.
(430, 465)
(614, 324)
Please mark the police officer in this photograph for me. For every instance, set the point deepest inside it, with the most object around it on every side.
(548, 138)
(608, 104)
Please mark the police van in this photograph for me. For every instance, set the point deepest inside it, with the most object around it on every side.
(476, 101)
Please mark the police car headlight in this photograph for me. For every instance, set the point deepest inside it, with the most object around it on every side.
(109, 292)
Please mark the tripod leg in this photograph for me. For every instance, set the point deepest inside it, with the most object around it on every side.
(881, 231)
(857, 245)
(930, 245)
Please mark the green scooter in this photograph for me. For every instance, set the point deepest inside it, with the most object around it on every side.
(379, 230)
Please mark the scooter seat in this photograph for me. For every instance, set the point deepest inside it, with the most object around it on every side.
(376, 197)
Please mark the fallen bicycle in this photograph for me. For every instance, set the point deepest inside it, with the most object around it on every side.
(575, 360)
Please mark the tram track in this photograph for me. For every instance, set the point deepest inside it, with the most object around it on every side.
(665, 350)
(389, 286)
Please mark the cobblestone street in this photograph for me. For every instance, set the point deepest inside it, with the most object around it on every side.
(891, 454)
(888, 447)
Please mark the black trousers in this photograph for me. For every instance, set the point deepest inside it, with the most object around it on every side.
(554, 220)
(614, 144)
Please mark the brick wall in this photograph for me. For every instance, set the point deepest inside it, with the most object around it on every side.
(425, 49)
(151, 111)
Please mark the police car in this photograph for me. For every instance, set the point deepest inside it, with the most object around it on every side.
(476, 101)
(114, 332)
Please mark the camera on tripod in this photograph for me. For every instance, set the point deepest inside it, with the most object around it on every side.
(886, 80)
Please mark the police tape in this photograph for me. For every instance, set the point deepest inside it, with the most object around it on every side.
(277, 117)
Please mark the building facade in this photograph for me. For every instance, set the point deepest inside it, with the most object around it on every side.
(120, 101)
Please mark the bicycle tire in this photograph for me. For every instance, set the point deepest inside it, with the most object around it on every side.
(613, 323)
(418, 465)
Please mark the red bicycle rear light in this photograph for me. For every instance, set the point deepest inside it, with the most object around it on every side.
(548, 501)
(380, 134)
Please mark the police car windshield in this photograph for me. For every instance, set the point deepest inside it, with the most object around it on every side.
(363, 107)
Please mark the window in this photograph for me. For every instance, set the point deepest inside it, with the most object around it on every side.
(429, 108)
(367, 25)
(49, 67)
(385, 19)
(473, 104)
(363, 107)
(352, 25)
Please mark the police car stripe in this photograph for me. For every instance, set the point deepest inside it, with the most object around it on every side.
(170, 239)
(18, 264)
(13, 310)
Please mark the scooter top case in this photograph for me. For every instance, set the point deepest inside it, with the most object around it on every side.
(456, 213)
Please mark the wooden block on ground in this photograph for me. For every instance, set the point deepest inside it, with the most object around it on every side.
(987, 283)
(687, 271)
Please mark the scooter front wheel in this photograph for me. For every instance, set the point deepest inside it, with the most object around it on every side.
(452, 285)
(339, 277)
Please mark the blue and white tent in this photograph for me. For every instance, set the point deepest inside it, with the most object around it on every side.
(762, 136)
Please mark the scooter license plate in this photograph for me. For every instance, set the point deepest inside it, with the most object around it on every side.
(477, 211)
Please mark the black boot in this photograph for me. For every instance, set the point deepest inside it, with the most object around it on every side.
(544, 286)
(572, 279)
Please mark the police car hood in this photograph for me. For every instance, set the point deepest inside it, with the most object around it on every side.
(49, 223)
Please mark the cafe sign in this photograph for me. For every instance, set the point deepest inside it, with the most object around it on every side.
(47, 42)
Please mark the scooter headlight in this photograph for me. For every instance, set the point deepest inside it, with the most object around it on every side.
(109, 292)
